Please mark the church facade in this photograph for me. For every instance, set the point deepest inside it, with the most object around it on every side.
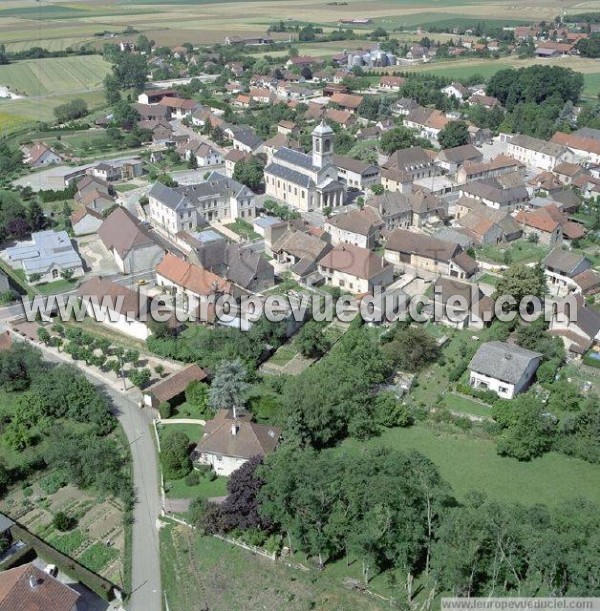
(306, 182)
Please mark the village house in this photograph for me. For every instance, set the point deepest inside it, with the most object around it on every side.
(189, 283)
(541, 222)
(45, 256)
(39, 155)
(501, 164)
(306, 181)
(172, 388)
(357, 227)
(415, 161)
(355, 269)
(487, 101)
(538, 153)
(506, 369)
(426, 255)
(232, 157)
(392, 83)
(204, 154)
(347, 101)
(154, 96)
(456, 90)
(116, 306)
(85, 221)
(129, 241)
(248, 270)
(355, 174)
(452, 159)
(568, 173)
(228, 442)
(561, 268)
(180, 108)
(541, 225)
(485, 225)
(584, 149)
(189, 206)
(299, 252)
(246, 140)
(427, 121)
(395, 180)
(505, 192)
(461, 305)
(577, 324)
(153, 112)
(342, 117)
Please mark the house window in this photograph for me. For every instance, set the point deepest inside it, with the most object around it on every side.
(502, 389)
(55, 273)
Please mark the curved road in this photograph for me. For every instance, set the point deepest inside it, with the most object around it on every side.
(146, 592)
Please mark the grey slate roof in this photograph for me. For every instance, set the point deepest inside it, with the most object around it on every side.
(248, 138)
(295, 157)
(502, 361)
(563, 260)
(167, 196)
(280, 171)
(540, 146)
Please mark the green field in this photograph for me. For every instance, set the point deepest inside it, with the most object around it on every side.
(469, 463)
(41, 108)
(55, 75)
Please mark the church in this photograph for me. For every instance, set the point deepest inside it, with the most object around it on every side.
(306, 182)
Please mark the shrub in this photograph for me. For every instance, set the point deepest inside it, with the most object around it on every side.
(165, 410)
(53, 482)
(61, 521)
(211, 476)
(193, 478)
(43, 335)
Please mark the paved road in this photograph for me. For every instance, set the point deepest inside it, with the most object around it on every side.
(146, 594)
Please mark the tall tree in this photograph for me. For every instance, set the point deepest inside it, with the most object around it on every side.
(229, 387)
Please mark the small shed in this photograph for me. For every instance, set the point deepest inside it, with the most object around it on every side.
(172, 388)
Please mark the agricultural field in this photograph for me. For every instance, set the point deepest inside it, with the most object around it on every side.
(49, 76)
(205, 21)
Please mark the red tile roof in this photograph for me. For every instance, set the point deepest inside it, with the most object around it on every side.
(27, 588)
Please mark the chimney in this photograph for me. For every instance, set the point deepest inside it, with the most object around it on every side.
(234, 429)
(34, 582)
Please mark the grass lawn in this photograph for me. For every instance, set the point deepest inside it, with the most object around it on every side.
(58, 286)
(243, 229)
(204, 490)
(465, 405)
(125, 187)
(185, 410)
(193, 431)
(469, 463)
(521, 251)
(489, 279)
